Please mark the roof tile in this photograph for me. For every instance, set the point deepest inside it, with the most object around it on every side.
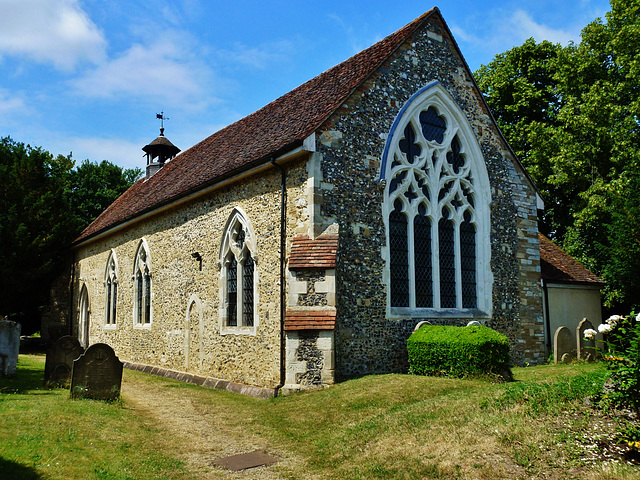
(310, 320)
(277, 127)
(318, 253)
(557, 266)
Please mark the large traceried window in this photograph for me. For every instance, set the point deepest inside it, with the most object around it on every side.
(238, 276)
(436, 209)
(142, 310)
(111, 290)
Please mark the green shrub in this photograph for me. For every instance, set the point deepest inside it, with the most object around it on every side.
(458, 351)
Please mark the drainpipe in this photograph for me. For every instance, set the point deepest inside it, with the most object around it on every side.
(283, 246)
(545, 292)
(71, 282)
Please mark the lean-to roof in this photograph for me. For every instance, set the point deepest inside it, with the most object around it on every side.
(557, 266)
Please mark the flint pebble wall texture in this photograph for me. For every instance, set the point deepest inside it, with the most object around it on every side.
(178, 284)
(335, 186)
(354, 139)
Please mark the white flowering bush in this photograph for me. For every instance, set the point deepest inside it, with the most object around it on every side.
(623, 344)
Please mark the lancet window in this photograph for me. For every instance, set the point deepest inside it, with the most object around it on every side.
(238, 273)
(111, 290)
(142, 286)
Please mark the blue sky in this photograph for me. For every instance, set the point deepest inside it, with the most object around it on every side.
(89, 76)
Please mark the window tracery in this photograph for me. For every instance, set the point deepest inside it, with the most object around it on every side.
(238, 271)
(436, 211)
(111, 290)
(142, 286)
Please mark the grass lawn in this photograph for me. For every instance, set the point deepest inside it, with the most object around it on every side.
(382, 426)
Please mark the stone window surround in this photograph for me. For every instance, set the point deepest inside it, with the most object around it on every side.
(139, 265)
(227, 247)
(111, 273)
(84, 315)
(437, 96)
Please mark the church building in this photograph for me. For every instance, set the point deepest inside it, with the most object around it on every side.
(302, 244)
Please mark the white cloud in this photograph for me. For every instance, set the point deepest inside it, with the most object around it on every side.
(260, 57)
(11, 104)
(49, 31)
(162, 72)
(124, 153)
(525, 27)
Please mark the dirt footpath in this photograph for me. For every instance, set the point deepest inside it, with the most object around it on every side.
(206, 432)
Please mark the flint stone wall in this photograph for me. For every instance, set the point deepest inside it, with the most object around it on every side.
(351, 144)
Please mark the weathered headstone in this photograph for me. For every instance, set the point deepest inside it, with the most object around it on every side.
(59, 362)
(562, 345)
(586, 348)
(97, 374)
(9, 347)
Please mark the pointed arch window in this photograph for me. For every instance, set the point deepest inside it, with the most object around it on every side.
(142, 283)
(111, 290)
(436, 211)
(84, 317)
(238, 275)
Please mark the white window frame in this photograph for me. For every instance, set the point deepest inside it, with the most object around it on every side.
(111, 292)
(229, 248)
(142, 267)
(435, 95)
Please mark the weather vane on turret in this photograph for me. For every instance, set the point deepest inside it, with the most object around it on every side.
(162, 118)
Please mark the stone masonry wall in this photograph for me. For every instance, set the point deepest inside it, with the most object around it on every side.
(179, 284)
(351, 143)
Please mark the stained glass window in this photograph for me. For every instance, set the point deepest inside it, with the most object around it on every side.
(431, 200)
(238, 273)
(399, 257)
(423, 272)
(232, 293)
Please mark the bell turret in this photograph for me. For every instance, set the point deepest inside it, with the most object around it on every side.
(159, 151)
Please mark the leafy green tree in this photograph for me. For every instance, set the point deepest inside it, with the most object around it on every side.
(94, 186)
(521, 89)
(44, 204)
(601, 154)
(34, 226)
(583, 149)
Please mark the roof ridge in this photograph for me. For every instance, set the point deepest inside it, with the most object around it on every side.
(252, 140)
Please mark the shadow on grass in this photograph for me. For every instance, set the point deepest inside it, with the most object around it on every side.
(28, 377)
(11, 470)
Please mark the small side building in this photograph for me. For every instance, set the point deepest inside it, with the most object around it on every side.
(570, 291)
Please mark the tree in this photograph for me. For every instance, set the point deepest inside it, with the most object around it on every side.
(94, 186)
(34, 226)
(44, 204)
(523, 94)
(583, 151)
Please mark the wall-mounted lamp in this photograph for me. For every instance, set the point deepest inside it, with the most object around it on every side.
(197, 257)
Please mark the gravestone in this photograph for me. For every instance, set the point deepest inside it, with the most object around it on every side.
(562, 345)
(59, 362)
(97, 374)
(9, 347)
(586, 348)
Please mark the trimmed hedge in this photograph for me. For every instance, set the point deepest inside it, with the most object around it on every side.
(458, 351)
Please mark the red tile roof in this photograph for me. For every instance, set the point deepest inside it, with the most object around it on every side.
(318, 253)
(310, 320)
(557, 266)
(274, 129)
